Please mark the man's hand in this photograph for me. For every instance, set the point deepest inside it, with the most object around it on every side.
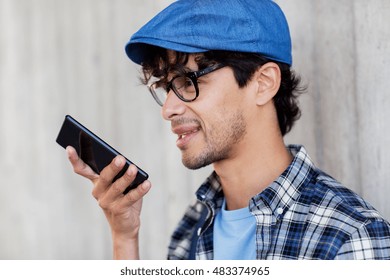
(122, 211)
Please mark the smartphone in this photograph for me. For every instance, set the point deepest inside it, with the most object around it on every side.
(93, 150)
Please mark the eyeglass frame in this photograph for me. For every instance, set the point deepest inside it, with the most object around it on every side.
(193, 76)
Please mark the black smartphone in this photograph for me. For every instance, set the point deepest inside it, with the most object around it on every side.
(93, 150)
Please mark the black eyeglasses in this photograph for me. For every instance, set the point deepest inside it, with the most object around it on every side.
(184, 86)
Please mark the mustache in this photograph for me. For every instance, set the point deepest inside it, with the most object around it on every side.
(181, 121)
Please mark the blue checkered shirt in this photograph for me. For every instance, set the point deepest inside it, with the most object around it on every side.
(304, 214)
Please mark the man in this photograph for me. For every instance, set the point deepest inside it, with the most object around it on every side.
(221, 72)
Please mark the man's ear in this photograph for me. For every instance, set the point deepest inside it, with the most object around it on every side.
(268, 79)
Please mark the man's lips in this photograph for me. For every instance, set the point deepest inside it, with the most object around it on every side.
(185, 133)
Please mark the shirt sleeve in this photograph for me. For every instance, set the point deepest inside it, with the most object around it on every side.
(370, 242)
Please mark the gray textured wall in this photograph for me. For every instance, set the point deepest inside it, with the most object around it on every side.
(66, 57)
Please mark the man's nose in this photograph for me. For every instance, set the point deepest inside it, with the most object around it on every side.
(173, 106)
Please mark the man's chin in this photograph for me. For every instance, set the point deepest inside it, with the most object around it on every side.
(195, 163)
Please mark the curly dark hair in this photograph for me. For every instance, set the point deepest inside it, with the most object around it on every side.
(161, 63)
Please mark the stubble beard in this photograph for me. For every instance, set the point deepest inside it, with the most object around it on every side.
(219, 139)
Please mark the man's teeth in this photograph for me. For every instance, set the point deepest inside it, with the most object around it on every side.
(184, 135)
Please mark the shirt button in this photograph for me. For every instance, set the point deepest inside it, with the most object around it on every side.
(279, 211)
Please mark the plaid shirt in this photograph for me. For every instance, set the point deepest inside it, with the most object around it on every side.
(304, 214)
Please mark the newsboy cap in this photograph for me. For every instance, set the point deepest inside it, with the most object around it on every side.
(193, 26)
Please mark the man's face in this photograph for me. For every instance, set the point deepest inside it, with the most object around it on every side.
(211, 128)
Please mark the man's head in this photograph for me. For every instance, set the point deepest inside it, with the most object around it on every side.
(212, 60)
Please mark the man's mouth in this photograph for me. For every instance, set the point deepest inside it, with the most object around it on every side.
(185, 134)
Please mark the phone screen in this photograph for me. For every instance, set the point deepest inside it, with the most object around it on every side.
(93, 150)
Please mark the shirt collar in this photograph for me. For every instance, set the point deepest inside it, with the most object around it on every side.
(211, 189)
(286, 189)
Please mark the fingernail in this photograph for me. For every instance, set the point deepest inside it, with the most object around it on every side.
(68, 152)
(145, 186)
(129, 171)
(118, 161)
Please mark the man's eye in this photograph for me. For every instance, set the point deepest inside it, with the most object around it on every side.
(188, 83)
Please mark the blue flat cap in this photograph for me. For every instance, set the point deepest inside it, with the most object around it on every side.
(193, 26)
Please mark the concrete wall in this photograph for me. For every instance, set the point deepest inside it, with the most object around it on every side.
(66, 57)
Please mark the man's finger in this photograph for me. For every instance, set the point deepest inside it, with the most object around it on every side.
(108, 174)
(79, 166)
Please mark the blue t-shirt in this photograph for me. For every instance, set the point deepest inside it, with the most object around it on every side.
(234, 235)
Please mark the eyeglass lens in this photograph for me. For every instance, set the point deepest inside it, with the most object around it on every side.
(183, 87)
